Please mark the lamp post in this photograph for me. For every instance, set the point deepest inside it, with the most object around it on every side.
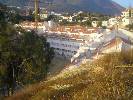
(36, 13)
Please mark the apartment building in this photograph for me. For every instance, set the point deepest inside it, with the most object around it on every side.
(71, 42)
(127, 13)
(63, 46)
(127, 17)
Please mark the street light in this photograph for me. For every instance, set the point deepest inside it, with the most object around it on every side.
(36, 13)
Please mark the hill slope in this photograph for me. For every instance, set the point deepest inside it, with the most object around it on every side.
(105, 79)
(99, 6)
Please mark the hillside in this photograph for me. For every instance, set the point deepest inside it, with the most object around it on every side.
(110, 78)
(98, 6)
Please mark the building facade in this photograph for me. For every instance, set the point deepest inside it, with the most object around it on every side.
(64, 46)
(127, 17)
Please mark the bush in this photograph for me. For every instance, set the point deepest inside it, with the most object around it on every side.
(130, 27)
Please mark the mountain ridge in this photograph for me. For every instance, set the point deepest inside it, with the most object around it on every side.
(99, 6)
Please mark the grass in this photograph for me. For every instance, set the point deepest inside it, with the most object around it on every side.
(102, 80)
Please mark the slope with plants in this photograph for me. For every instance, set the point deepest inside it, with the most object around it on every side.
(109, 78)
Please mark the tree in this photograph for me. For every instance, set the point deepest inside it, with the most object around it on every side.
(87, 23)
(99, 23)
(24, 58)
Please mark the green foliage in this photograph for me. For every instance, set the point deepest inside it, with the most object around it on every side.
(99, 23)
(15, 18)
(80, 17)
(87, 23)
(24, 57)
(53, 17)
(65, 22)
(89, 17)
(104, 27)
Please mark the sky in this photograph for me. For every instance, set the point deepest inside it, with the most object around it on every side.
(125, 3)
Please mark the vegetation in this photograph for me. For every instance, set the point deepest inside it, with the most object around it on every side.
(85, 19)
(24, 56)
(130, 27)
(53, 17)
(109, 78)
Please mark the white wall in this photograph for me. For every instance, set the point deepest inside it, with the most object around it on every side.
(66, 47)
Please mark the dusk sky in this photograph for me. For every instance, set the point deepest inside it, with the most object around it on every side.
(125, 3)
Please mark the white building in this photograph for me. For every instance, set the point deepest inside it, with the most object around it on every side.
(70, 19)
(51, 24)
(105, 23)
(127, 17)
(43, 16)
(127, 13)
(65, 46)
(72, 41)
(67, 18)
(94, 23)
(77, 42)
(112, 21)
(127, 21)
(113, 46)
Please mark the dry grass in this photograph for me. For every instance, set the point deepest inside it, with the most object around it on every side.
(105, 79)
(57, 65)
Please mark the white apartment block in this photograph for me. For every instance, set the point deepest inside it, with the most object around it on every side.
(127, 21)
(127, 13)
(105, 23)
(65, 46)
(112, 21)
(77, 42)
(127, 17)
